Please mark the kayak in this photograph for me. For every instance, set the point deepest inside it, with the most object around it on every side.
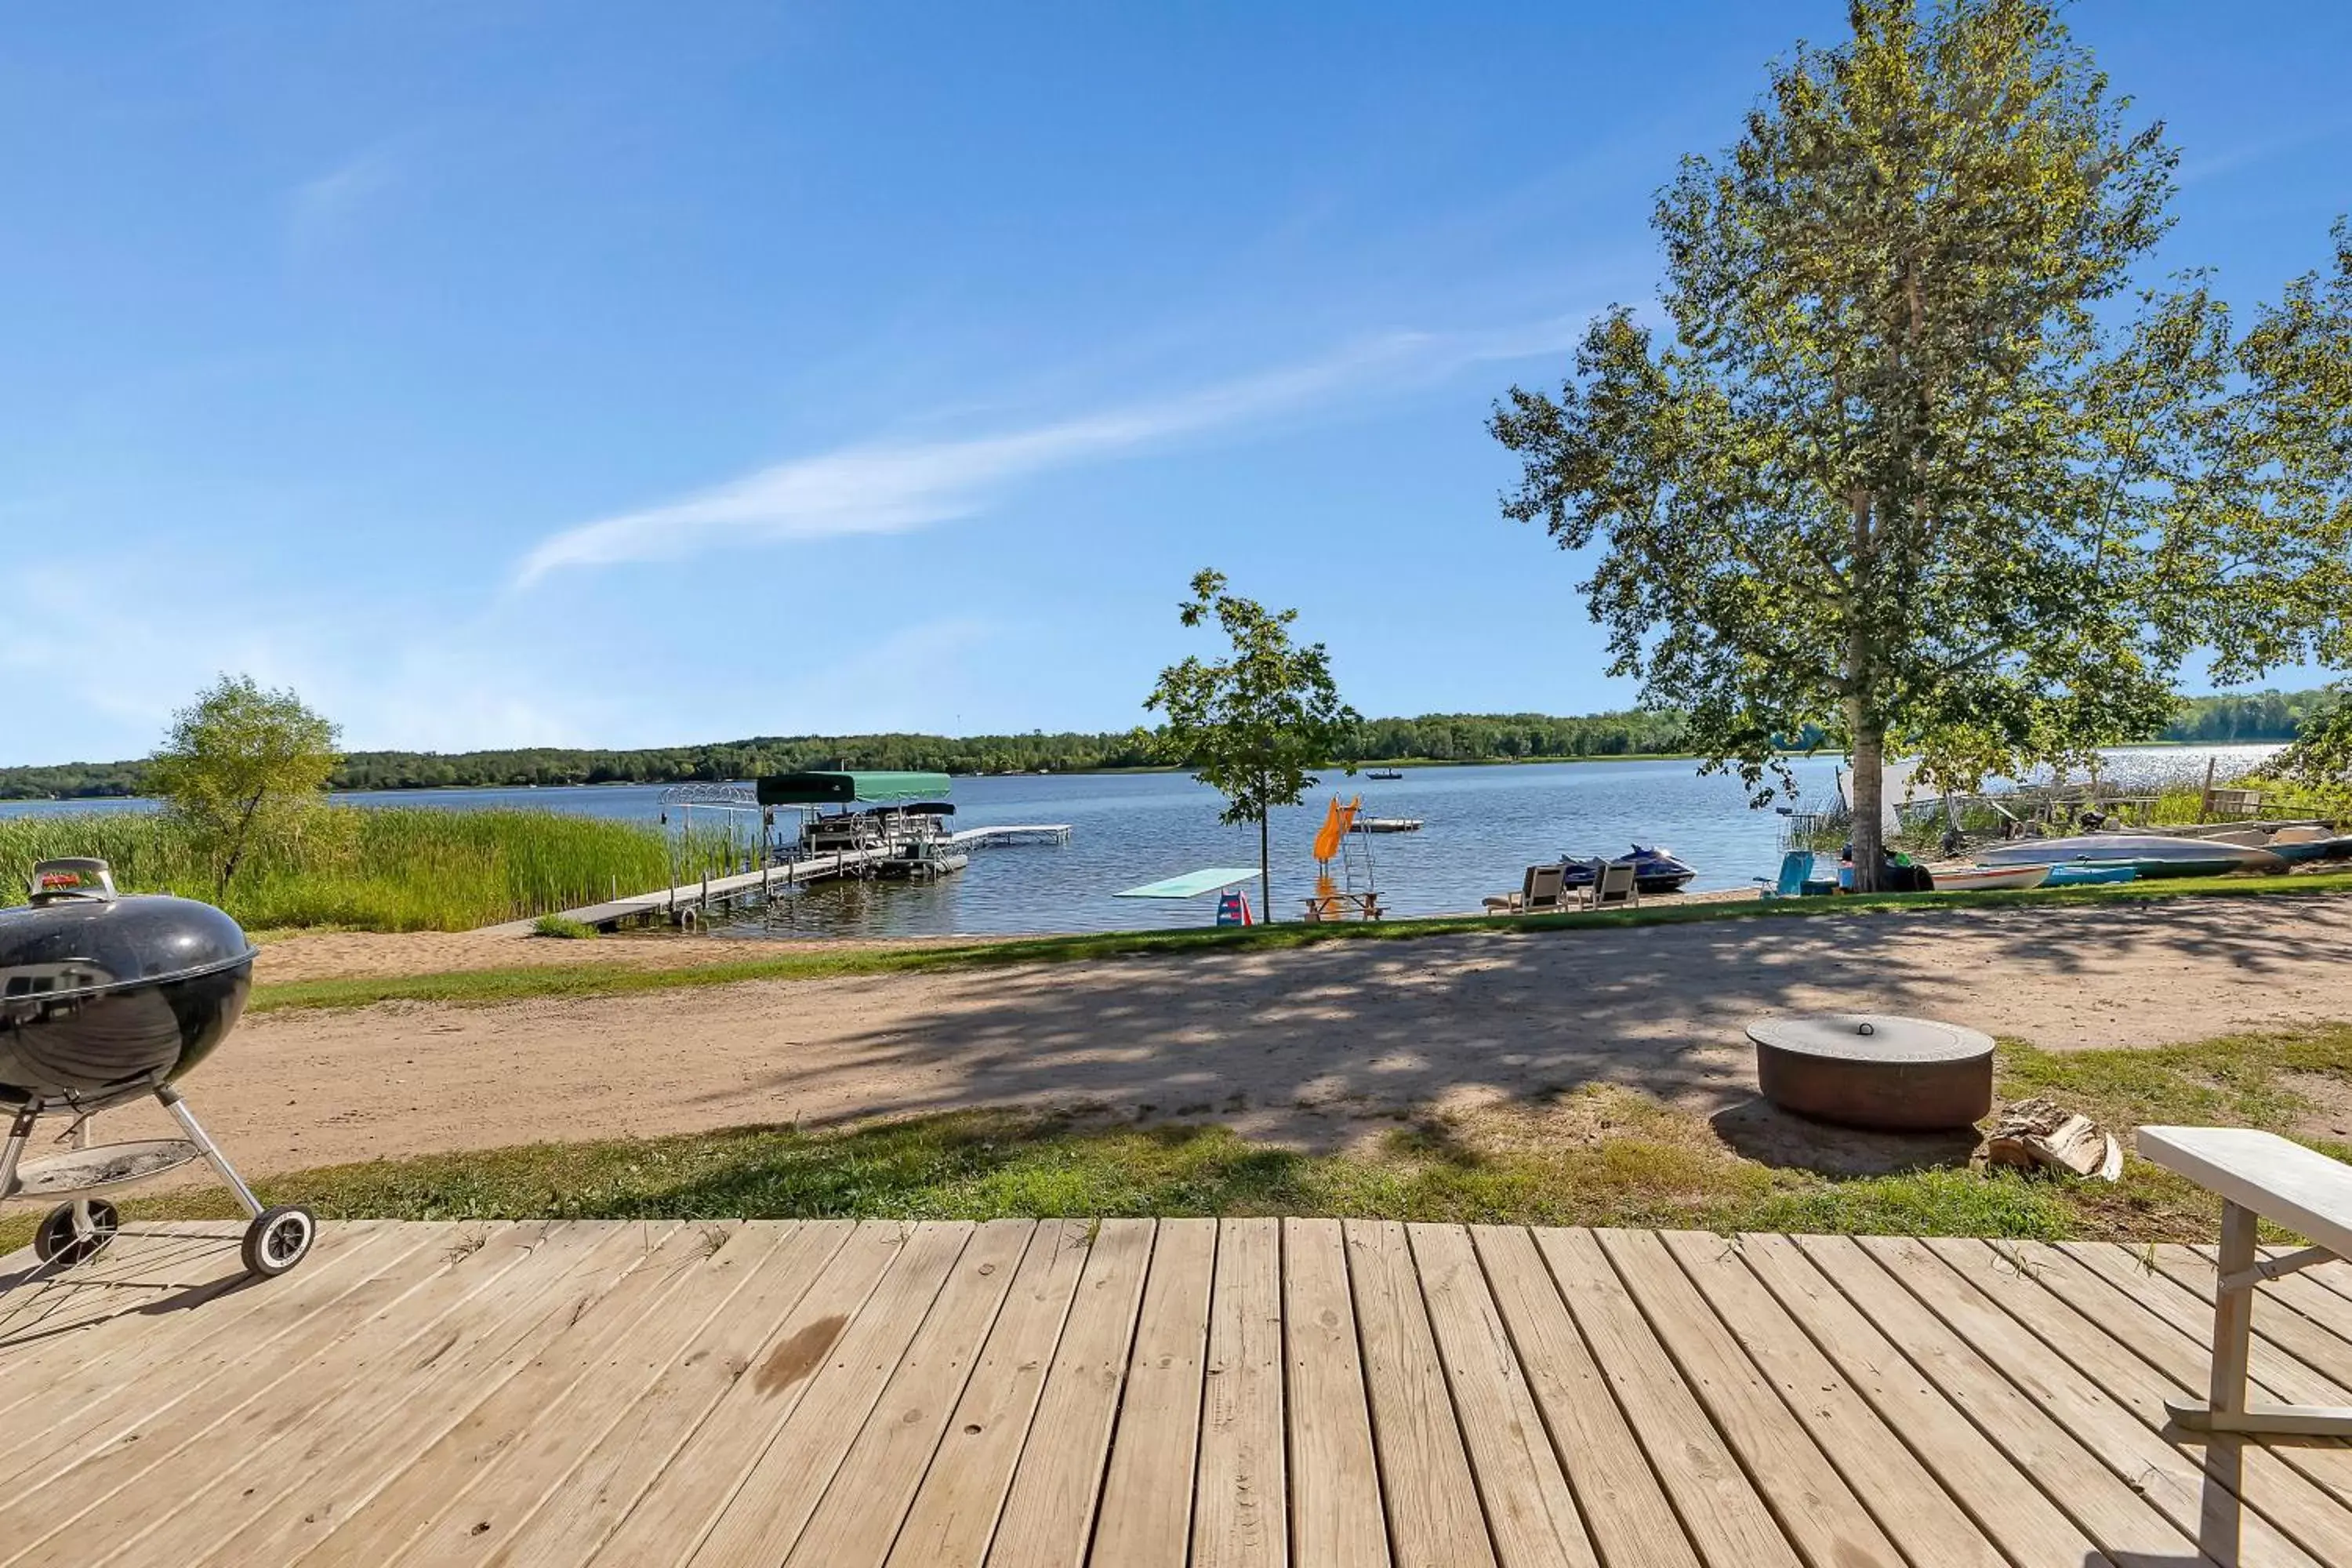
(2079, 876)
(2149, 853)
(1967, 878)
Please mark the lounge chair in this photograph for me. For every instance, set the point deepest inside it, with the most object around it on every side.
(1614, 886)
(1796, 877)
(1543, 891)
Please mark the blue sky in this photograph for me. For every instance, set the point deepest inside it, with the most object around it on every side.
(505, 374)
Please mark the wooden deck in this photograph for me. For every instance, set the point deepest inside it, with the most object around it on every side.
(1250, 1392)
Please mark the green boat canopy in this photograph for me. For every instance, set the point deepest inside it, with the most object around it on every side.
(843, 789)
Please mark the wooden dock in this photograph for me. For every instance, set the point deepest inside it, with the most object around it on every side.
(665, 903)
(1294, 1393)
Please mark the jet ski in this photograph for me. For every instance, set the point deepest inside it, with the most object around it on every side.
(1655, 869)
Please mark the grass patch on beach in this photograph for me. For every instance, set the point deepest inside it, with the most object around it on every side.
(484, 987)
(1591, 1154)
(377, 867)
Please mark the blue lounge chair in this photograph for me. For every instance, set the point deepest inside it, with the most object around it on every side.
(1796, 877)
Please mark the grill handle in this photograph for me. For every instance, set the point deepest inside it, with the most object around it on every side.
(71, 878)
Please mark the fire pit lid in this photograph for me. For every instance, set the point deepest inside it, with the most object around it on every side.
(1869, 1038)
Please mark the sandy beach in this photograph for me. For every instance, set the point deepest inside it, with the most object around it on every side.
(1316, 1046)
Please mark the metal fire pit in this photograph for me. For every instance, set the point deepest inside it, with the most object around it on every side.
(1875, 1069)
(106, 999)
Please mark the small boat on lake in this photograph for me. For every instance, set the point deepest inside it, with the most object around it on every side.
(1655, 869)
(1974, 878)
(2148, 854)
(1385, 774)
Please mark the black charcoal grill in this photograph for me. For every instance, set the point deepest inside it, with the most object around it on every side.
(106, 999)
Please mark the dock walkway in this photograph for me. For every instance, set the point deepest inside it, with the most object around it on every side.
(1133, 1394)
(701, 894)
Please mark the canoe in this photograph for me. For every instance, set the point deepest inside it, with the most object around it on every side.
(1967, 878)
(2084, 876)
(2149, 853)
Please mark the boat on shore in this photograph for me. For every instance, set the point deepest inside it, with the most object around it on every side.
(2148, 854)
(2080, 875)
(1974, 878)
(1655, 869)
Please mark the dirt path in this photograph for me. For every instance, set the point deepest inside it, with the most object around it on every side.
(1315, 1046)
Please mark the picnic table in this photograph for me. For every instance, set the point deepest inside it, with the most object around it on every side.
(2259, 1177)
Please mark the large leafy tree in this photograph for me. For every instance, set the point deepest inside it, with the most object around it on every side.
(1884, 467)
(1254, 724)
(243, 767)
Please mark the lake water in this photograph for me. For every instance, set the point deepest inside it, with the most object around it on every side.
(1483, 825)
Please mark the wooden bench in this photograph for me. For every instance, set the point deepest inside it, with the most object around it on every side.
(2259, 1175)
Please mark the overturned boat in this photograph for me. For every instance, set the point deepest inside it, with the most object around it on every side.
(2148, 854)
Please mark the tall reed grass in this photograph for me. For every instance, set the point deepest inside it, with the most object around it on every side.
(382, 869)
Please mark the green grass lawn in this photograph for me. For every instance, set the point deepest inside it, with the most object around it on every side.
(589, 978)
(1593, 1155)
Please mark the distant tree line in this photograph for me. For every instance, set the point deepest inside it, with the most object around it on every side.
(1432, 737)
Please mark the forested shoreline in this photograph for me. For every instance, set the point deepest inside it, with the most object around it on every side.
(1432, 738)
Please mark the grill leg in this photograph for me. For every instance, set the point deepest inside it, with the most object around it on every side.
(19, 1132)
(202, 1139)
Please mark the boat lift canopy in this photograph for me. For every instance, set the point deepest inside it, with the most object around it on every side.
(1192, 884)
(848, 788)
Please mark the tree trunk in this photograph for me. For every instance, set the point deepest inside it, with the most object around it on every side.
(1264, 871)
(1869, 795)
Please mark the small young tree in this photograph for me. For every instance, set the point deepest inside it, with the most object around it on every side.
(1888, 472)
(1252, 725)
(242, 767)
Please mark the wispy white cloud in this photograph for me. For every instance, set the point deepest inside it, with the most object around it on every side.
(323, 210)
(896, 487)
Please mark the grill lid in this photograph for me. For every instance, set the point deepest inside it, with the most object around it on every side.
(77, 935)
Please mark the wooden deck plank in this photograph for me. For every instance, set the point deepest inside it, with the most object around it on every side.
(1335, 1485)
(1239, 1515)
(375, 1531)
(239, 1464)
(1244, 1395)
(1433, 1512)
(573, 1519)
(507, 1488)
(94, 1384)
(1146, 1514)
(785, 1484)
(2170, 1478)
(1931, 1529)
(670, 1515)
(51, 1314)
(1530, 1509)
(339, 1465)
(1049, 1513)
(1730, 1524)
(857, 1519)
(1625, 1509)
(2125, 1522)
(2306, 1513)
(143, 1328)
(955, 1511)
(2006, 1505)
(149, 1418)
(1811, 1501)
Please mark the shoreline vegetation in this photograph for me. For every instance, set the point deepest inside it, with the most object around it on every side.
(1430, 739)
(389, 868)
(1598, 1153)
